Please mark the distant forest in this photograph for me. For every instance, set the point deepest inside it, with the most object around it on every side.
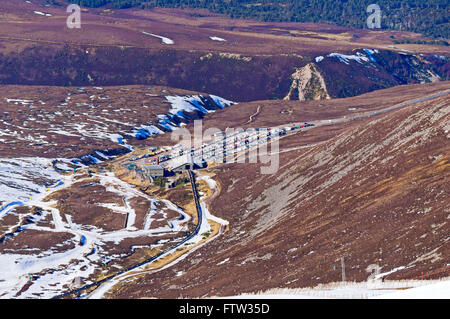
(430, 17)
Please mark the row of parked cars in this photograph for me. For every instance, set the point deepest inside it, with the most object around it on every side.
(236, 142)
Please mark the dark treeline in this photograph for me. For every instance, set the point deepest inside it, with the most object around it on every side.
(429, 17)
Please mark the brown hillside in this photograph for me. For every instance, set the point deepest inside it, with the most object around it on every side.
(241, 60)
(376, 194)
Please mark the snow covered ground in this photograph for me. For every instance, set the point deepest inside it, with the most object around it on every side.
(164, 40)
(192, 103)
(405, 289)
(318, 59)
(26, 182)
(359, 57)
(42, 13)
(21, 178)
(180, 105)
(100, 122)
(435, 290)
(214, 38)
(16, 268)
(100, 292)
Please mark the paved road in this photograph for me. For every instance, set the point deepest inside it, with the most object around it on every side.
(197, 203)
(351, 118)
(151, 259)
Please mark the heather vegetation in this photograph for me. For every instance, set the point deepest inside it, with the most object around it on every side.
(427, 17)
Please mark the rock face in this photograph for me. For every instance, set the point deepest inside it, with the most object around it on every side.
(365, 70)
(236, 77)
(307, 84)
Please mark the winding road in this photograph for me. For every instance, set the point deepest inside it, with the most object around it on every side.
(153, 258)
(200, 213)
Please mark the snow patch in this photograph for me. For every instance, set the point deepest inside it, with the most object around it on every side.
(359, 57)
(164, 40)
(318, 59)
(217, 39)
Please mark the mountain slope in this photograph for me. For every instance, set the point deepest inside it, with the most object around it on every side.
(70, 121)
(209, 53)
(375, 194)
(403, 15)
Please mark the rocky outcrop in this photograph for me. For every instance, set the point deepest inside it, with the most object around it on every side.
(307, 84)
(237, 77)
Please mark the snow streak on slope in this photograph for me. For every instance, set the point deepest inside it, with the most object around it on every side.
(221, 102)
(358, 57)
(214, 38)
(193, 103)
(182, 107)
(195, 241)
(90, 117)
(164, 40)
